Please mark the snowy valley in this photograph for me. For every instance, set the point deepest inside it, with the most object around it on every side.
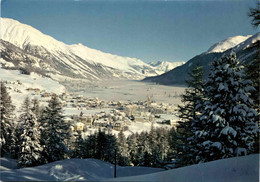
(73, 113)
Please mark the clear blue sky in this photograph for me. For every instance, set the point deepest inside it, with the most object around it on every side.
(148, 30)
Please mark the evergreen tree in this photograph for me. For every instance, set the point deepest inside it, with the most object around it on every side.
(253, 74)
(173, 140)
(153, 151)
(26, 106)
(228, 117)
(163, 147)
(30, 149)
(15, 140)
(6, 116)
(255, 14)
(144, 155)
(106, 144)
(123, 155)
(91, 146)
(110, 146)
(79, 150)
(252, 71)
(36, 109)
(101, 145)
(188, 113)
(54, 130)
(133, 149)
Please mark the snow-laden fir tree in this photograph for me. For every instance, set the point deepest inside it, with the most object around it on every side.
(30, 148)
(91, 146)
(253, 74)
(163, 147)
(26, 106)
(54, 130)
(36, 109)
(122, 150)
(144, 155)
(79, 149)
(173, 140)
(133, 149)
(159, 146)
(6, 116)
(230, 121)
(188, 113)
(15, 140)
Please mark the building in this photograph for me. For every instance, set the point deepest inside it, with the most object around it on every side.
(119, 125)
(79, 126)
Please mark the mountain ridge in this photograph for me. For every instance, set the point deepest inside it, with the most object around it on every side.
(246, 51)
(36, 43)
(165, 66)
(227, 43)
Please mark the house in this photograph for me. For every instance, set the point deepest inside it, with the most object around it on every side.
(79, 126)
(100, 123)
(71, 129)
(170, 122)
(118, 125)
(88, 120)
(45, 94)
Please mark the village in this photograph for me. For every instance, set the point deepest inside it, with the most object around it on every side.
(87, 114)
(84, 113)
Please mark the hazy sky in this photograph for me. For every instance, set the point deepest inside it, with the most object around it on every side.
(148, 30)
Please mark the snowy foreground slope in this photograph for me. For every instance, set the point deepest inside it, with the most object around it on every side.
(69, 170)
(233, 169)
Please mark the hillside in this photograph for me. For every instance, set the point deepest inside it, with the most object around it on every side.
(232, 170)
(246, 51)
(227, 43)
(74, 61)
(69, 170)
(164, 66)
(235, 169)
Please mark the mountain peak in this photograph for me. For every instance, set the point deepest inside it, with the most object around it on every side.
(35, 42)
(165, 66)
(227, 43)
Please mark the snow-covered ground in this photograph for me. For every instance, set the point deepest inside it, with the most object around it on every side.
(18, 84)
(235, 169)
(124, 90)
(70, 170)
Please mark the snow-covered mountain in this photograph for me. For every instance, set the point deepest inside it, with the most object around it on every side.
(227, 43)
(164, 66)
(246, 51)
(70, 60)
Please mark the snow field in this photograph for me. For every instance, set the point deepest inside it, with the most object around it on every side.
(235, 169)
(72, 170)
(28, 81)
